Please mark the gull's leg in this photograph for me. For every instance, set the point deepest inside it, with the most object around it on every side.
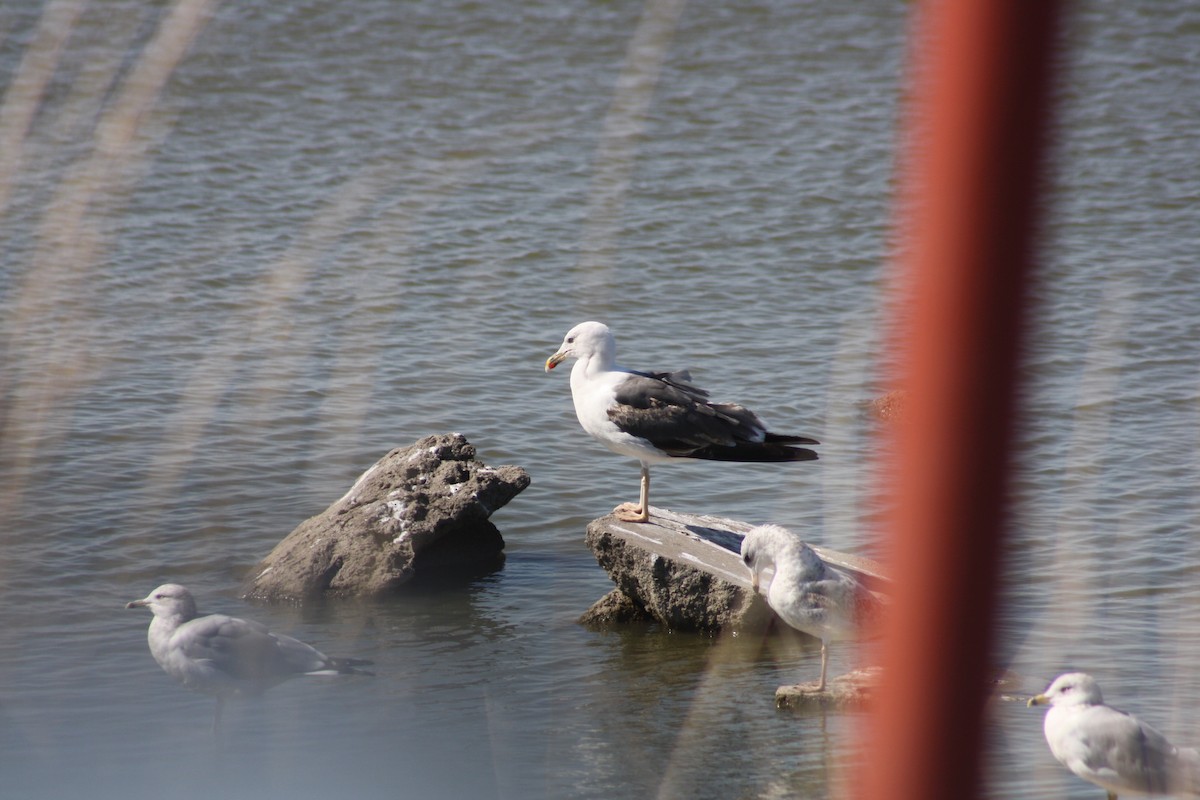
(824, 664)
(628, 512)
(644, 503)
(1112, 796)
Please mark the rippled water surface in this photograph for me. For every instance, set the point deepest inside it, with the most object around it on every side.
(250, 247)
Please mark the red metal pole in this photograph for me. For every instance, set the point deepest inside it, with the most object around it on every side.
(976, 126)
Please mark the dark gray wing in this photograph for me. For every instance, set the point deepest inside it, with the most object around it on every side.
(677, 418)
(680, 379)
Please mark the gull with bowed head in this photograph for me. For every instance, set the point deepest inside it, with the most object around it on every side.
(809, 595)
(1112, 749)
(226, 656)
(658, 417)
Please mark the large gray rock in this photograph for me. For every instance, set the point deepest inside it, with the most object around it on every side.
(685, 572)
(421, 509)
(680, 570)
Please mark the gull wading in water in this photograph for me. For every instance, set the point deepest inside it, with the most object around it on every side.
(808, 594)
(1114, 750)
(657, 417)
(226, 656)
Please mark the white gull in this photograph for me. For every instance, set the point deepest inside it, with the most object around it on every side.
(656, 417)
(226, 656)
(1112, 749)
(807, 593)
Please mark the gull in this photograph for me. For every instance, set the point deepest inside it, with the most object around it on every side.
(808, 594)
(656, 417)
(226, 656)
(1112, 749)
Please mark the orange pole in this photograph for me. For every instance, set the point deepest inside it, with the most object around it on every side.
(966, 219)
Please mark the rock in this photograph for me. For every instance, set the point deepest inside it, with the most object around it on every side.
(615, 608)
(420, 510)
(850, 692)
(647, 562)
(855, 690)
(685, 572)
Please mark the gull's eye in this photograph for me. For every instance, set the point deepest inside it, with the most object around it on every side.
(570, 340)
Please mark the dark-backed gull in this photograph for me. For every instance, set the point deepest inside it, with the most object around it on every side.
(660, 416)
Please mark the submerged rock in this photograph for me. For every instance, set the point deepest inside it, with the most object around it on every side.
(850, 692)
(615, 608)
(420, 510)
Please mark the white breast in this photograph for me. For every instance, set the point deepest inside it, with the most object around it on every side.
(593, 395)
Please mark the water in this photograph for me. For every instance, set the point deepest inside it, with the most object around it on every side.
(333, 229)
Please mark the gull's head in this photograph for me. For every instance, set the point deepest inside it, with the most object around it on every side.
(766, 547)
(760, 547)
(585, 340)
(168, 600)
(1072, 689)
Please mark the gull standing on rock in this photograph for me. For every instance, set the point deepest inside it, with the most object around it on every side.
(226, 656)
(1114, 750)
(808, 594)
(657, 417)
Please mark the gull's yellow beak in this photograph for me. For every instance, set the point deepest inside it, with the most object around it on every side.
(554, 360)
(1037, 700)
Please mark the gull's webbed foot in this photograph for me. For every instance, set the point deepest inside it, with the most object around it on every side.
(632, 512)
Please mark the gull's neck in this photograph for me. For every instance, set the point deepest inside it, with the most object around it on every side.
(162, 628)
(592, 366)
(1078, 703)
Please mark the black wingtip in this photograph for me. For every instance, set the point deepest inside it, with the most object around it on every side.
(755, 453)
(783, 438)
